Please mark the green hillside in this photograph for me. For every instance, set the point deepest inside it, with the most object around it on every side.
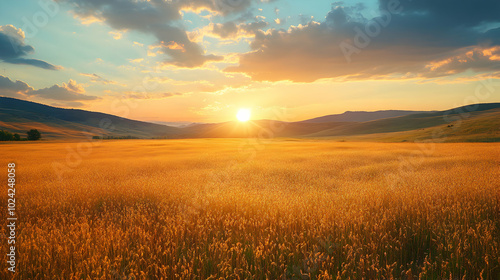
(480, 126)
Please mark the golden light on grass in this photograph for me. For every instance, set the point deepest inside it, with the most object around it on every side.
(244, 115)
(199, 209)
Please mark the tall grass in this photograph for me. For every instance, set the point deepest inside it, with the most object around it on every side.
(198, 209)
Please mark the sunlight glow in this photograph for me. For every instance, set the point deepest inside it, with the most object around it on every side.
(243, 115)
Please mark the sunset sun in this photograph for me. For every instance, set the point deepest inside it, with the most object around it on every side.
(243, 115)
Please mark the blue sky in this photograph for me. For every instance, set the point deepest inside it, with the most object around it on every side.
(202, 60)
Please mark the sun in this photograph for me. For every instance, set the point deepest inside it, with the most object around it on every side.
(243, 115)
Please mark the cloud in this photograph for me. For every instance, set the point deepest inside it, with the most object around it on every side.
(98, 79)
(17, 89)
(72, 91)
(232, 30)
(477, 58)
(464, 13)
(69, 94)
(33, 62)
(223, 7)
(158, 18)
(13, 49)
(137, 60)
(161, 19)
(116, 35)
(399, 42)
(225, 30)
(253, 26)
(186, 54)
(149, 95)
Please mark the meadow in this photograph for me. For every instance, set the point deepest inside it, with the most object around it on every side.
(228, 209)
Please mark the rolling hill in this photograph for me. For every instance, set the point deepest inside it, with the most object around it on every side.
(19, 116)
(482, 124)
(482, 127)
(361, 116)
(455, 125)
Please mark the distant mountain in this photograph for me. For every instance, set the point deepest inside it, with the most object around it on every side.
(362, 116)
(176, 124)
(481, 127)
(20, 115)
(480, 124)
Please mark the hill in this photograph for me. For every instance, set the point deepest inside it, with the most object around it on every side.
(19, 116)
(455, 125)
(362, 116)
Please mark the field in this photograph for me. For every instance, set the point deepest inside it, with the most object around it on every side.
(230, 209)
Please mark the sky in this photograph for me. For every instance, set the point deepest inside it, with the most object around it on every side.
(203, 60)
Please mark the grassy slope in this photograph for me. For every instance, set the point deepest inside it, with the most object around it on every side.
(18, 116)
(51, 128)
(480, 126)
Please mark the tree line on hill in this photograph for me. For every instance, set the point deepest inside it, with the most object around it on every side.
(31, 135)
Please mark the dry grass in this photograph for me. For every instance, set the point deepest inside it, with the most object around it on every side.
(200, 209)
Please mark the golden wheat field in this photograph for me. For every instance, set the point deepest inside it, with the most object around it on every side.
(280, 209)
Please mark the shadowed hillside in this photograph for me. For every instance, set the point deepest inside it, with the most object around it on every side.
(19, 115)
(483, 127)
(350, 116)
(453, 118)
